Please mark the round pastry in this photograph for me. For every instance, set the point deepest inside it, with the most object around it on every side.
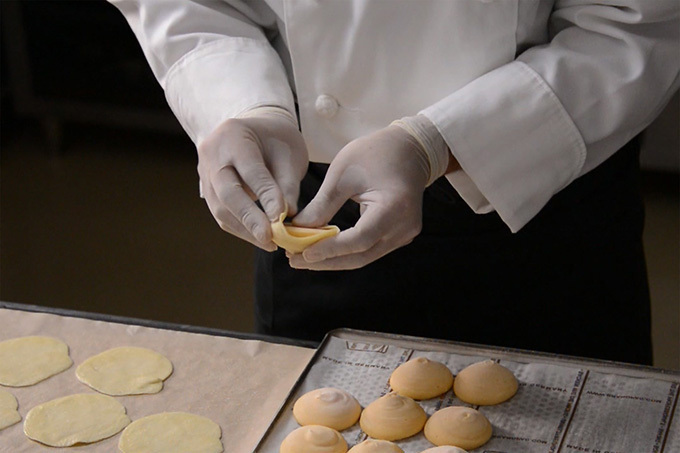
(75, 419)
(28, 360)
(376, 446)
(392, 417)
(458, 426)
(444, 449)
(314, 439)
(421, 379)
(329, 407)
(8, 410)
(485, 384)
(171, 432)
(125, 371)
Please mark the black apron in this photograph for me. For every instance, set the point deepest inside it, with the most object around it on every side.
(572, 281)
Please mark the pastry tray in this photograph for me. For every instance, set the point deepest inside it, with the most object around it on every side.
(564, 404)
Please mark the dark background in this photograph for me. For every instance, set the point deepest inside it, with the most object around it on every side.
(99, 206)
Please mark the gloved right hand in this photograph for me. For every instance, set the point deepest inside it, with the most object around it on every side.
(261, 156)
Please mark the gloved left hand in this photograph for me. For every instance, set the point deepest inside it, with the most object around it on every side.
(385, 172)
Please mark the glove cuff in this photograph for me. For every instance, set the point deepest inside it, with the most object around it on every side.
(431, 143)
(270, 110)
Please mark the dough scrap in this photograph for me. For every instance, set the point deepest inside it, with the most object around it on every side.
(376, 446)
(329, 407)
(172, 432)
(8, 410)
(28, 360)
(421, 379)
(392, 417)
(444, 449)
(295, 239)
(125, 371)
(74, 419)
(458, 426)
(313, 439)
(485, 383)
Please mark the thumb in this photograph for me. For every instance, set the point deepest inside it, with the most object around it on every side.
(325, 204)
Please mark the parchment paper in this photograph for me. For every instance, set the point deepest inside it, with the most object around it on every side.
(559, 407)
(239, 384)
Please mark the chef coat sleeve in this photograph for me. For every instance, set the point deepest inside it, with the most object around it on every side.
(527, 129)
(212, 58)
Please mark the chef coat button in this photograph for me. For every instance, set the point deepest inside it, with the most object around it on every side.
(326, 106)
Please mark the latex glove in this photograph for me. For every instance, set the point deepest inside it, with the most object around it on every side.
(385, 172)
(261, 156)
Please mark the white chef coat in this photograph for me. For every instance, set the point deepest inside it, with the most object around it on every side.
(528, 94)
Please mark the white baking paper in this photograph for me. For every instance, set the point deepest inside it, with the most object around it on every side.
(239, 384)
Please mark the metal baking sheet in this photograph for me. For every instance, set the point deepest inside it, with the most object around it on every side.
(564, 404)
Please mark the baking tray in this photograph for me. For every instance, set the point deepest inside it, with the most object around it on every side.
(239, 383)
(157, 324)
(564, 404)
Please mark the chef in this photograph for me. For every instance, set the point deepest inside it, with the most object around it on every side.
(479, 156)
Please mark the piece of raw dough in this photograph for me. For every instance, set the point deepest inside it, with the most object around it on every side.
(8, 410)
(313, 439)
(421, 379)
(329, 407)
(29, 360)
(444, 449)
(295, 239)
(485, 384)
(392, 417)
(125, 371)
(458, 426)
(81, 418)
(172, 432)
(376, 446)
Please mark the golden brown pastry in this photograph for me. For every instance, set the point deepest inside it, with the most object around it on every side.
(329, 407)
(458, 426)
(314, 439)
(421, 379)
(392, 417)
(485, 383)
(376, 446)
(444, 449)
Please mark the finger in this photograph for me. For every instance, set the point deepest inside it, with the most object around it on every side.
(345, 262)
(250, 167)
(228, 222)
(230, 193)
(289, 183)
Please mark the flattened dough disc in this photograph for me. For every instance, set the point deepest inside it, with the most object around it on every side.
(125, 371)
(172, 432)
(74, 419)
(8, 410)
(28, 360)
